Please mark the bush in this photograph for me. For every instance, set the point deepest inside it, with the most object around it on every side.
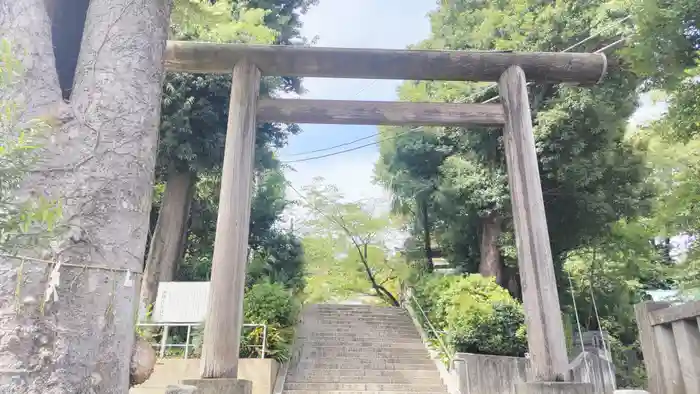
(277, 347)
(477, 314)
(270, 303)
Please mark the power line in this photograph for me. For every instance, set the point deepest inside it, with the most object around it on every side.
(369, 85)
(334, 146)
(349, 150)
(590, 37)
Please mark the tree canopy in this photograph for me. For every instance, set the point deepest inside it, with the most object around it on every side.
(590, 175)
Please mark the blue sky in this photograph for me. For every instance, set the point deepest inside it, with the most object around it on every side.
(362, 24)
(353, 24)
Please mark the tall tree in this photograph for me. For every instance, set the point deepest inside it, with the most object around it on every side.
(589, 175)
(345, 248)
(277, 254)
(98, 162)
(193, 130)
(666, 40)
(194, 116)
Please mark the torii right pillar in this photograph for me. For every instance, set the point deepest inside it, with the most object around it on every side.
(549, 361)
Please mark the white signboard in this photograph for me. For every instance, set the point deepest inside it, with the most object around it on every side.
(181, 302)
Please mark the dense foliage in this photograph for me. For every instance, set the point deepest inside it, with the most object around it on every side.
(477, 314)
(590, 176)
(615, 196)
(271, 305)
(345, 245)
(618, 199)
(192, 136)
(193, 131)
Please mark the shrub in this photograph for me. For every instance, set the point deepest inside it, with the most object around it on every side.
(264, 303)
(477, 314)
(270, 303)
(277, 346)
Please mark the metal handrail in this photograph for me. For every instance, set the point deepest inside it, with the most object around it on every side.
(437, 334)
(163, 344)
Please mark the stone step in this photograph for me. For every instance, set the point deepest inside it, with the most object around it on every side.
(386, 357)
(371, 373)
(307, 365)
(362, 342)
(406, 379)
(368, 358)
(384, 328)
(334, 336)
(360, 392)
(352, 306)
(365, 329)
(349, 336)
(364, 311)
(355, 315)
(431, 388)
(390, 314)
(360, 349)
(350, 313)
(360, 309)
(353, 342)
(367, 361)
(363, 324)
(356, 350)
(357, 318)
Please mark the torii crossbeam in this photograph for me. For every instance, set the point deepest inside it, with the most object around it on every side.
(512, 70)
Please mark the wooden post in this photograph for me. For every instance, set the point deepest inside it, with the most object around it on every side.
(222, 328)
(648, 342)
(545, 330)
(670, 364)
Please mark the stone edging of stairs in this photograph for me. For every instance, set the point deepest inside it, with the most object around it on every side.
(284, 367)
(449, 377)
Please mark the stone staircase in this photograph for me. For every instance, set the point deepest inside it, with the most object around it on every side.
(349, 349)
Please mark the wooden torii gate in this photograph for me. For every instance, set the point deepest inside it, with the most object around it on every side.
(512, 70)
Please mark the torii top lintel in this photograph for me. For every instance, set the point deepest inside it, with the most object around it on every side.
(278, 60)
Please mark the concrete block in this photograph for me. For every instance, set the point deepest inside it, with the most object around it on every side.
(221, 386)
(181, 389)
(554, 388)
(631, 391)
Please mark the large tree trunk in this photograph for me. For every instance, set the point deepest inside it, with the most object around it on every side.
(427, 246)
(166, 242)
(491, 263)
(99, 163)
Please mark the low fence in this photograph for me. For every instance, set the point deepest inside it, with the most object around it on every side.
(670, 339)
(467, 373)
(476, 372)
(165, 344)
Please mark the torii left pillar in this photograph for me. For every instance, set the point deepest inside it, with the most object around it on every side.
(224, 320)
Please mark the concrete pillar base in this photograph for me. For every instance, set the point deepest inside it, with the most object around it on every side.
(220, 386)
(181, 389)
(554, 388)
